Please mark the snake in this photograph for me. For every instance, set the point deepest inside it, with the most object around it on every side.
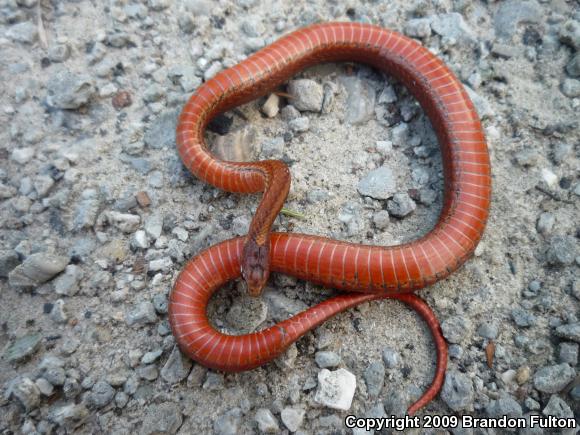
(361, 272)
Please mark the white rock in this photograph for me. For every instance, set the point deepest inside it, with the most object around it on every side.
(549, 177)
(271, 106)
(292, 418)
(126, 222)
(22, 155)
(335, 389)
(140, 240)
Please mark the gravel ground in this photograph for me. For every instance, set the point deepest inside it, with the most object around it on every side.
(98, 215)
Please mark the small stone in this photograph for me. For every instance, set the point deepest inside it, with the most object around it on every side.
(452, 26)
(66, 90)
(59, 52)
(143, 199)
(67, 284)
(176, 368)
(37, 269)
(569, 353)
(69, 417)
(327, 359)
(455, 328)
(562, 152)
(292, 418)
(561, 251)
(570, 33)
(400, 134)
(161, 264)
(273, 148)
(266, 421)
(391, 357)
(228, 423)
(527, 157)
(488, 330)
(531, 404)
(545, 223)
(381, 219)
(121, 399)
(45, 387)
(506, 405)
(154, 226)
(141, 314)
(378, 184)
(418, 28)
(153, 93)
(165, 418)
(25, 32)
(374, 376)
(505, 50)
(558, 408)
(299, 125)
(149, 373)
(360, 101)
(289, 112)
(523, 375)
(125, 222)
(553, 379)
(522, 318)
(140, 240)
(213, 381)
(161, 132)
(100, 395)
(549, 177)
(513, 12)
(306, 95)
(571, 88)
(457, 391)
(384, 147)
(401, 205)
(335, 389)
(25, 391)
(58, 312)
(271, 106)
(573, 67)
(22, 155)
(8, 261)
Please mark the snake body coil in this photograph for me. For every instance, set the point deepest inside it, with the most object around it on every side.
(369, 272)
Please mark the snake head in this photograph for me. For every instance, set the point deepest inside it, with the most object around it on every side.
(255, 265)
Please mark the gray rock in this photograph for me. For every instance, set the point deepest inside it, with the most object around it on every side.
(401, 205)
(391, 357)
(452, 26)
(282, 307)
(374, 376)
(360, 101)
(573, 67)
(553, 379)
(569, 353)
(273, 148)
(23, 347)
(289, 112)
(165, 418)
(545, 223)
(100, 395)
(121, 399)
(527, 157)
(457, 391)
(161, 132)
(561, 251)
(400, 134)
(335, 389)
(153, 93)
(151, 357)
(514, 12)
(67, 284)
(327, 359)
(154, 226)
(562, 152)
(379, 184)
(25, 392)
(141, 314)
(571, 88)
(505, 405)
(149, 373)
(126, 222)
(37, 269)
(299, 125)
(8, 261)
(213, 381)
(292, 418)
(569, 33)
(45, 387)
(418, 28)
(52, 369)
(25, 32)
(58, 52)
(557, 408)
(522, 318)
(454, 328)
(381, 219)
(307, 95)
(228, 423)
(69, 417)
(87, 210)
(161, 264)
(266, 421)
(66, 90)
(488, 330)
(176, 368)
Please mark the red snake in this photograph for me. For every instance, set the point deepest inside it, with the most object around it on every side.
(369, 272)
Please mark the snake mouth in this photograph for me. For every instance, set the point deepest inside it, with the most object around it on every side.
(255, 266)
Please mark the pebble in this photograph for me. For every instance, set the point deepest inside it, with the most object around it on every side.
(374, 376)
(70, 416)
(266, 421)
(391, 358)
(45, 387)
(141, 314)
(161, 264)
(273, 148)
(557, 408)
(381, 220)
(306, 95)
(299, 125)
(400, 134)
(8, 261)
(37, 269)
(25, 392)
(164, 418)
(213, 381)
(522, 318)
(571, 88)
(22, 155)
(271, 106)
(360, 101)
(513, 12)
(401, 205)
(545, 223)
(126, 222)
(562, 152)
(327, 359)
(418, 28)
(527, 157)
(228, 423)
(379, 184)
(58, 52)
(67, 90)
(568, 353)
(25, 32)
(452, 26)
(561, 251)
(149, 372)
(67, 284)
(569, 33)
(292, 418)
(335, 389)
(161, 132)
(154, 226)
(100, 395)
(553, 379)
(457, 391)
(289, 112)
(488, 330)
(176, 368)
(505, 405)
(573, 67)
(455, 328)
